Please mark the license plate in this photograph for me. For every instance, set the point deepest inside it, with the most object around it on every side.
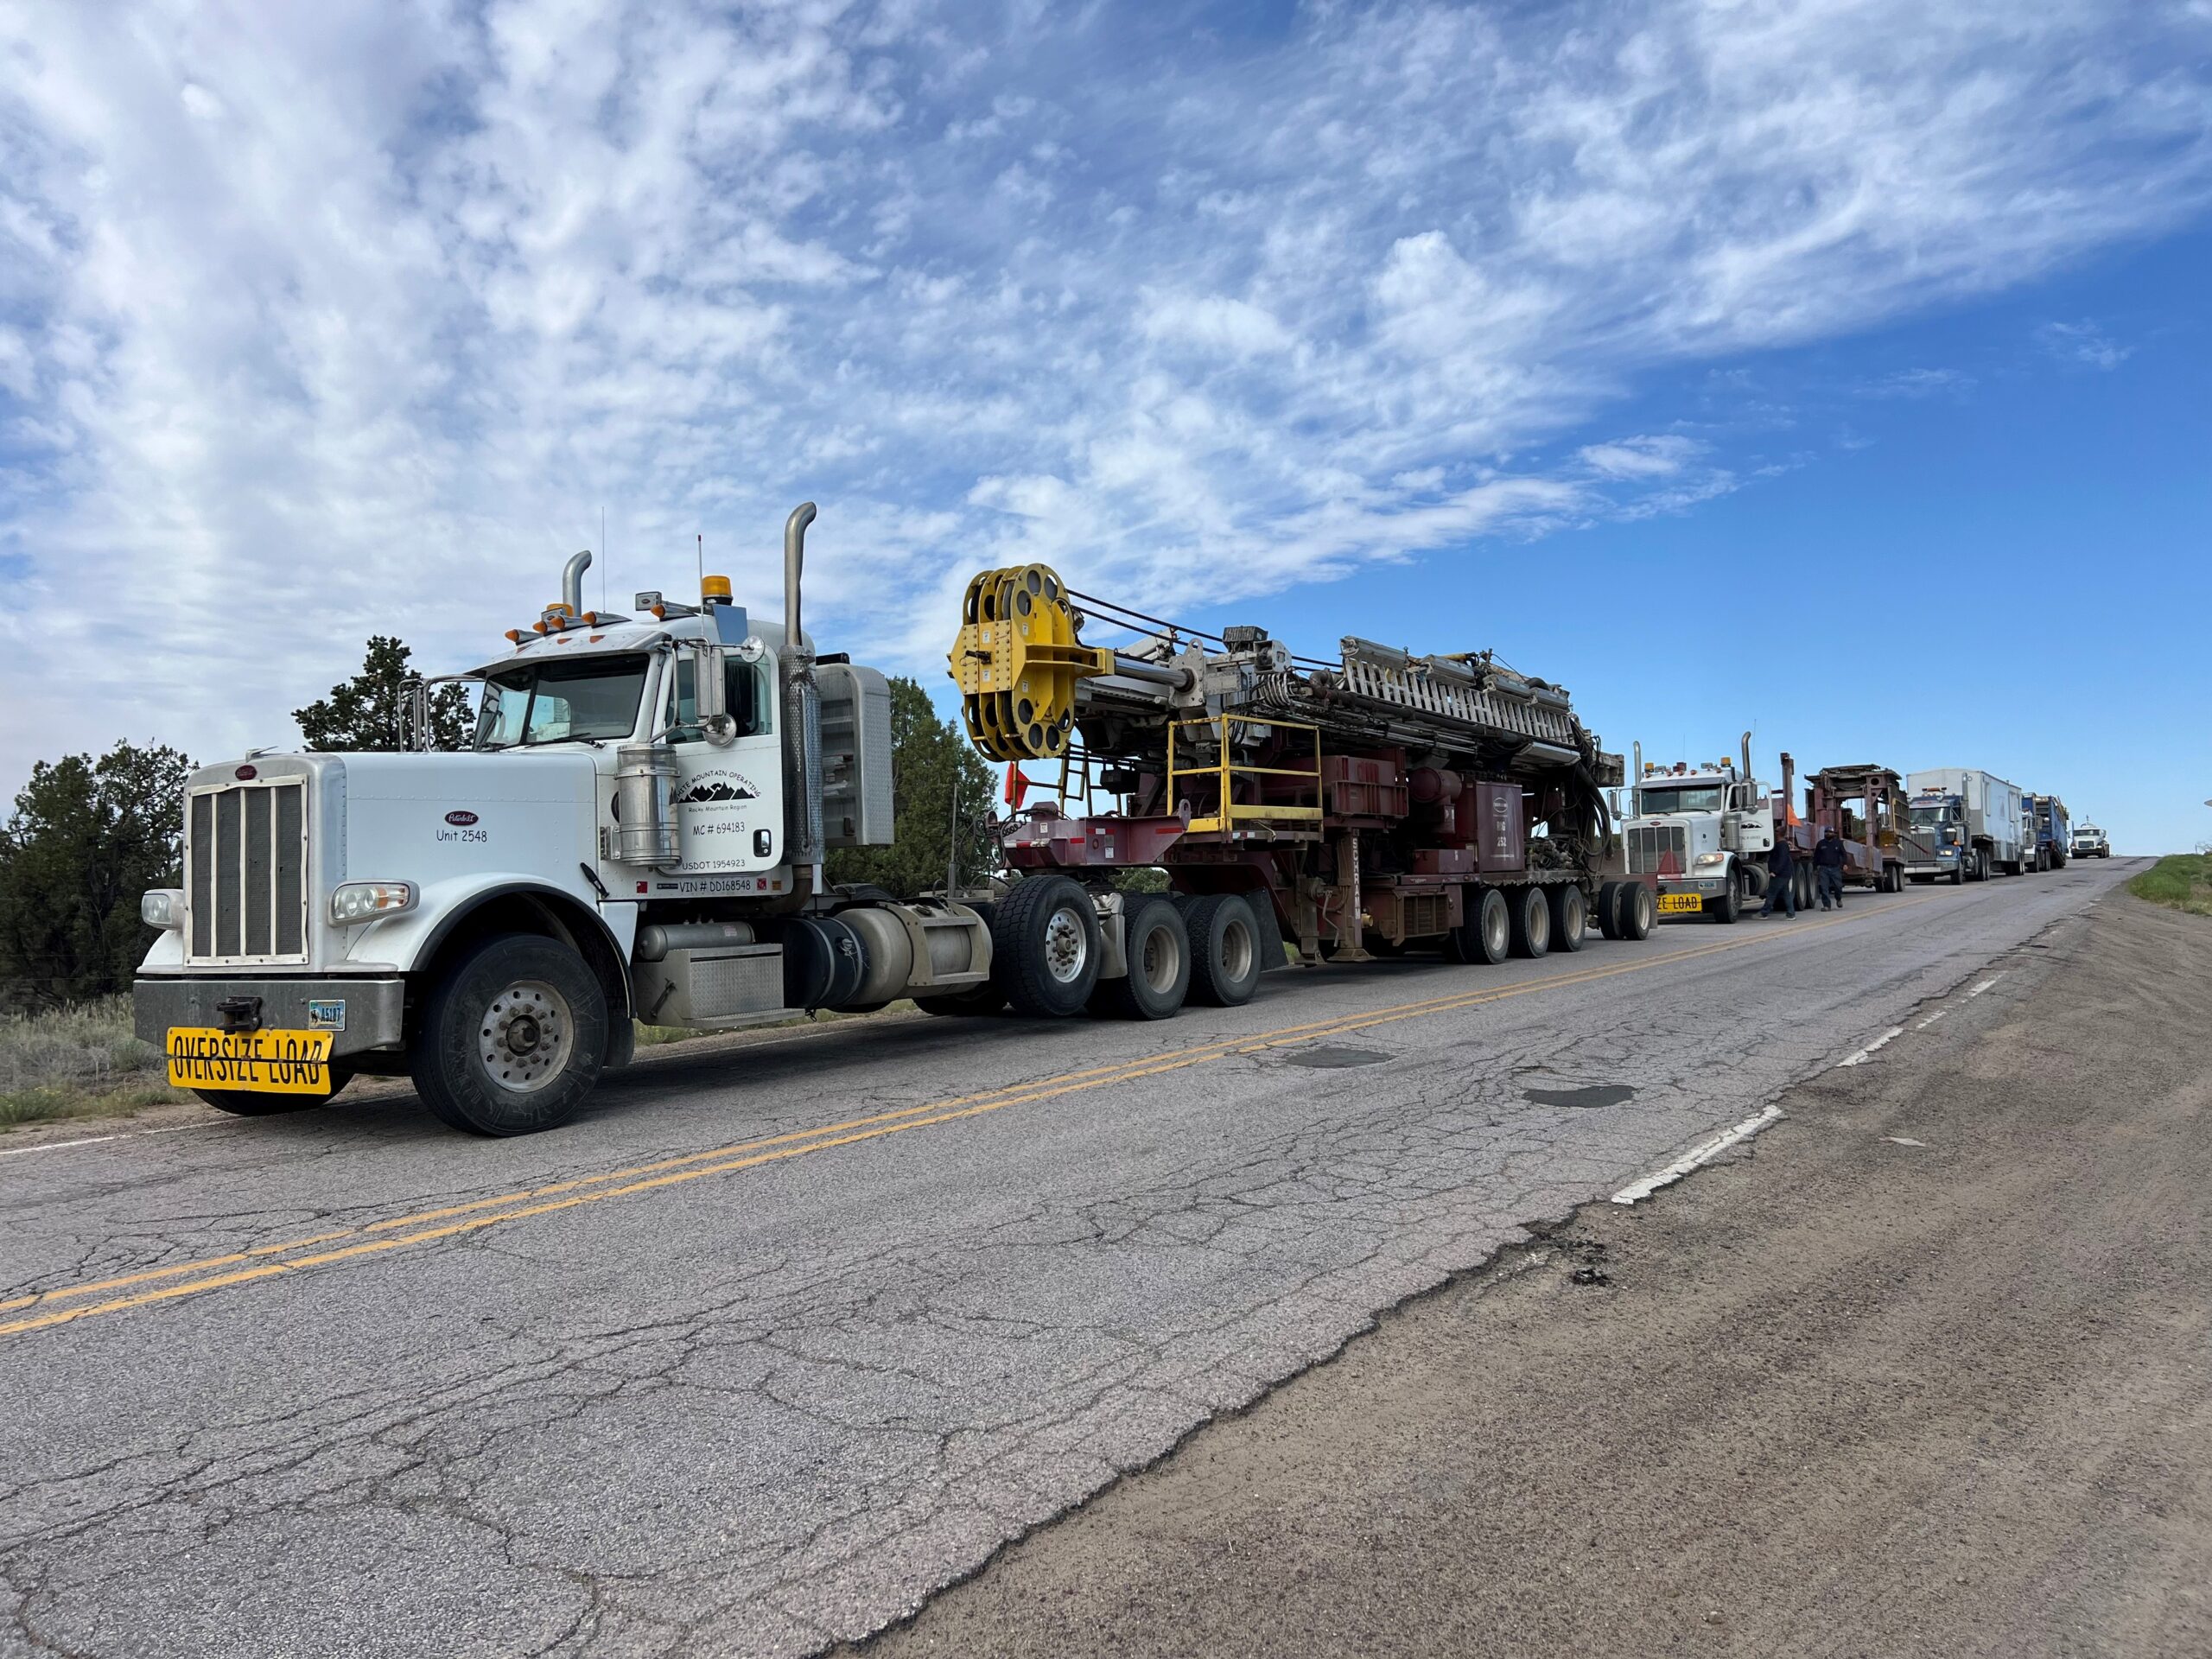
(1678, 903)
(263, 1061)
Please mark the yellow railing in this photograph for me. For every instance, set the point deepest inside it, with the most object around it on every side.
(1222, 770)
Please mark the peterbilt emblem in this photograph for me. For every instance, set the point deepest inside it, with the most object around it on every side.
(461, 819)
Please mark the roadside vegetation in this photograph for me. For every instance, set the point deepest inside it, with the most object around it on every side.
(80, 1061)
(2182, 881)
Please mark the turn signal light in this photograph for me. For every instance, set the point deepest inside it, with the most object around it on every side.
(368, 902)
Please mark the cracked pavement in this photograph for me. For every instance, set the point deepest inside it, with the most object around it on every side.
(760, 1409)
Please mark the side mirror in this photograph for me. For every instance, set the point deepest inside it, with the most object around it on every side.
(710, 696)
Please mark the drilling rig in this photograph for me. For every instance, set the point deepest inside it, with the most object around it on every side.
(1366, 806)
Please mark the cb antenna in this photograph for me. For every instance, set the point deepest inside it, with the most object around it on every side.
(703, 562)
(603, 560)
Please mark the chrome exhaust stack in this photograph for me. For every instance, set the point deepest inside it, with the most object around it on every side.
(572, 582)
(802, 709)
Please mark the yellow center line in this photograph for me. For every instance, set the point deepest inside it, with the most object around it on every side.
(722, 1161)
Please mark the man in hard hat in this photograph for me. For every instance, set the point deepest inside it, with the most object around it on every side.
(1781, 870)
(1828, 867)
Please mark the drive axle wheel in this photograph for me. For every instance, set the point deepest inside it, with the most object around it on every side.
(1045, 946)
(512, 1038)
(1228, 941)
(1570, 915)
(1158, 979)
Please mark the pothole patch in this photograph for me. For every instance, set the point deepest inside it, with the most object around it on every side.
(1323, 1058)
(1585, 1096)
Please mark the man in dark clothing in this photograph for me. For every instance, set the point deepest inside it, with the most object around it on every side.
(1828, 867)
(1781, 882)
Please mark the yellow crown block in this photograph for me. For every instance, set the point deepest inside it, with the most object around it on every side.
(1017, 662)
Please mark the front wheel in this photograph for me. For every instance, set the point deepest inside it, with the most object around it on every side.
(512, 1038)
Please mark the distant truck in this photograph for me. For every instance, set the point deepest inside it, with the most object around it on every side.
(1970, 822)
(1703, 834)
(2089, 841)
(2048, 830)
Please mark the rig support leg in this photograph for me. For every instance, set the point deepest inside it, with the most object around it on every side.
(1355, 945)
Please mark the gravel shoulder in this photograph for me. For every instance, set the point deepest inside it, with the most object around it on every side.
(1925, 1368)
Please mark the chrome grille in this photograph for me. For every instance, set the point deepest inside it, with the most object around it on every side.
(245, 855)
(1658, 849)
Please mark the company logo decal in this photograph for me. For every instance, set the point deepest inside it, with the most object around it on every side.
(717, 785)
(461, 819)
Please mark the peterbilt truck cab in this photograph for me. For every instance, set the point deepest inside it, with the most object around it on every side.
(1703, 831)
(636, 830)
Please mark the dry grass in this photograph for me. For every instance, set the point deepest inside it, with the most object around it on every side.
(2182, 881)
(78, 1062)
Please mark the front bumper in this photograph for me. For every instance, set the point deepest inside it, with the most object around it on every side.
(371, 1013)
(1705, 886)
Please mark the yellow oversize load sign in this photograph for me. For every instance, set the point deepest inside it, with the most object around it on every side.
(1676, 904)
(265, 1062)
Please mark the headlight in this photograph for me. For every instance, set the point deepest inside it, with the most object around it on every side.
(161, 907)
(1708, 860)
(370, 901)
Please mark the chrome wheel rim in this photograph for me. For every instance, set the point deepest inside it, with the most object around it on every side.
(1066, 950)
(1237, 950)
(1497, 926)
(1162, 960)
(524, 1039)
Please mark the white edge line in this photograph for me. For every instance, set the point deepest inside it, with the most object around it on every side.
(1986, 984)
(1861, 1056)
(57, 1146)
(1931, 1019)
(1690, 1160)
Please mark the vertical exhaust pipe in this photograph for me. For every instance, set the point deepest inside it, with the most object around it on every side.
(572, 582)
(1747, 757)
(802, 710)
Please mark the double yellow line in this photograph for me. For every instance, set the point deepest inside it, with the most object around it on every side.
(73, 1302)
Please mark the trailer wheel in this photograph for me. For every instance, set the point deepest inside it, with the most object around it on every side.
(251, 1103)
(1639, 911)
(1532, 921)
(1160, 966)
(1486, 934)
(1045, 946)
(1570, 915)
(1609, 909)
(1225, 946)
(511, 1036)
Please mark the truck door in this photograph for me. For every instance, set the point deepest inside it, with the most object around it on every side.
(728, 798)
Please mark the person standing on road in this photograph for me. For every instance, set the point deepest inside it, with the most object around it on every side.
(1828, 867)
(1781, 887)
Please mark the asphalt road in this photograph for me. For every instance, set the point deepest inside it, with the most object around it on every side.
(778, 1340)
(1926, 1368)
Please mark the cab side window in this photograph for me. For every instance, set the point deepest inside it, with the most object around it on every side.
(747, 704)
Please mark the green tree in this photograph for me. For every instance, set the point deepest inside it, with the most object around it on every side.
(85, 839)
(930, 758)
(369, 712)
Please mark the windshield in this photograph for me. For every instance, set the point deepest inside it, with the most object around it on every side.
(551, 702)
(1701, 798)
(1934, 817)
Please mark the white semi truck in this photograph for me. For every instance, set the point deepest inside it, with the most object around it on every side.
(638, 828)
(1971, 823)
(1704, 832)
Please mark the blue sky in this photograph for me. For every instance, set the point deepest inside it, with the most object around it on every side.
(1834, 368)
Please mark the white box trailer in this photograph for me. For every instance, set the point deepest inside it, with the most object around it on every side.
(1973, 819)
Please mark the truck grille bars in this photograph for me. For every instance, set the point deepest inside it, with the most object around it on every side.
(245, 855)
(1658, 849)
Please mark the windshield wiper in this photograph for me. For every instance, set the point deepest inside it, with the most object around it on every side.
(536, 742)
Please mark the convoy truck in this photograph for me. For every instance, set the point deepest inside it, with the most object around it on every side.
(1702, 834)
(638, 828)
(2048, 830)
(1867, 807)
(2089, 841)
(1363, 806)
(1971, 822)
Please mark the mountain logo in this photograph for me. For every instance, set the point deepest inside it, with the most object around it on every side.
(714, 788)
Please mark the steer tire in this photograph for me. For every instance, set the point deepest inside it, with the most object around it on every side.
(1531, 916)
(1609, 909)
(1570, 908)
(1158, 946)
(1045, 946)
(1229, 946)
(512, 1037)
(1639, 912)
(251, 1103)
(1728, 906)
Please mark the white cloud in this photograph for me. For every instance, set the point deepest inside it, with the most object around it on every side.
(2083, 343)
(369, 338)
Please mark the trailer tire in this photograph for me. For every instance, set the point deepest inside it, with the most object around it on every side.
(969, 1000)
(251, 1103)
(1609, 909)
(1532, 921)
(1570, 915)
(1226, 942)
(1639, 911)
(1485, 936)
(1159, 949)
(1045, 946)
(511, 1036)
